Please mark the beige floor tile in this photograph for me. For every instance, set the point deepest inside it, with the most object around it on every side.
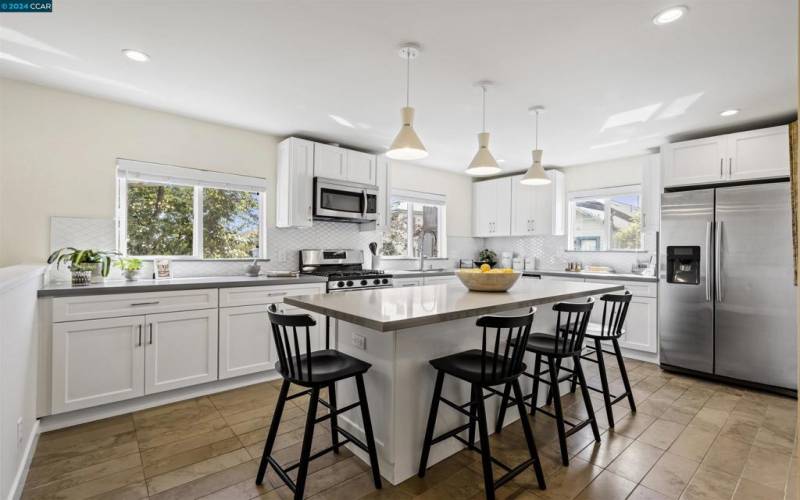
(749, 490)
(604, 452)
(135, 491)
(91, 472)
(211, 483)
(645, 493)
(607, 486)
(661, 433)
(57, 452)
(158, 453)
(727, 455)
(693, 443)
(68, 489)
(44, 473)
(635, 462)
(708, 484)
(177, 477)
(769, 467)
(634, 424)
(569, 481)
(190, 457)
(151, 438)
(670, 475)
(742, 428)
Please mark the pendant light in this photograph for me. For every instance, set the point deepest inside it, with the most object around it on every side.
(406, 145)
(483, 163)
(535, 176)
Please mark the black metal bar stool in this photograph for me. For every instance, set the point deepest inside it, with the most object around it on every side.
(615, 309)
(571, 322)
(314, 370)
(493, 364)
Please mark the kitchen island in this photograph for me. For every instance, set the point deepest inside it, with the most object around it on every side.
(398, 330)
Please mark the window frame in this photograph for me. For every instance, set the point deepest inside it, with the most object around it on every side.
(411, 197)
(606, 192)
(183, 176)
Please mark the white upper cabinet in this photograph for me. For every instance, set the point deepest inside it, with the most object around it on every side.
(384, 192)
(538, 210)
(330, 161)
(491, 210)
(755, 154)
(295, 183)
(361, 168)
(651, 194)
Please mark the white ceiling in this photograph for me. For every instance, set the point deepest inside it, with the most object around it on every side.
(283, 67)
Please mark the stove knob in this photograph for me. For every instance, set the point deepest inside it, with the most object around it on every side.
(385, 281)
(363, 282)
(340, 284)
(349, 283)
(376, 282)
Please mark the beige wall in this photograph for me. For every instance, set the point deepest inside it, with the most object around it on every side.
(58, 151)
(619, 172)
(457, 188)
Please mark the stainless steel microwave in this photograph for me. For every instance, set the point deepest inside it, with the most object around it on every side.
(344, 201)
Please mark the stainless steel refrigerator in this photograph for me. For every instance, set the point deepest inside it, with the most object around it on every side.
(727, 302)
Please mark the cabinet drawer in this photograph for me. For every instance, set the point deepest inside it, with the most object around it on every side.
(255, 295)
(130, 304)
(637, 288)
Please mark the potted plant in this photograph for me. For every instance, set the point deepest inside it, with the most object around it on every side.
(85, 266)
(486, 256)
(130, 267)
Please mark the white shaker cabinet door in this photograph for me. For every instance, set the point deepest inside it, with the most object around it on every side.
(181, 349)
(97, 361)
(361, 167)
(641, 325)
(695, 162)
(295, 183)
(245, 341)
(758, 154)
(330, 161)
(502, 202)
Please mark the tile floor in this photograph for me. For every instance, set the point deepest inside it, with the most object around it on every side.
(689, 439)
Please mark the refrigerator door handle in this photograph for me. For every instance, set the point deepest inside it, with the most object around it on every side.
(718, 261)
(708, 261)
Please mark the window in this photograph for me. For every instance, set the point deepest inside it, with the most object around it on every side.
(182, 212)
(416, 224)
(607, 219)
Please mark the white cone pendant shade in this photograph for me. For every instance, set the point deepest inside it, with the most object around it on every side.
(483, 163)
(407, 146)
(535, 176)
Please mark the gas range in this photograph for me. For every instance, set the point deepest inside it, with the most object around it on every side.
(344, 270)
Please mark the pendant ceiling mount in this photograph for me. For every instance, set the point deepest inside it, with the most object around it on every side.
(407, 144)
(483, 163)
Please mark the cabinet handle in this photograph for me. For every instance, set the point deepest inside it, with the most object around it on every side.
(730, 167)
(145, 303)
(408, 284)
(151, 333)
(308, 210)
(140, 337)
(644, 220)
(720, 167)
(276, 294)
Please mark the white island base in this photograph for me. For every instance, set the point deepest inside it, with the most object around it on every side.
(400, 388)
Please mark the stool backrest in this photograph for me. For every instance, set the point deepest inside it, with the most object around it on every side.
(501, 359)
(571, 322)
(288, 344)
(615, 309)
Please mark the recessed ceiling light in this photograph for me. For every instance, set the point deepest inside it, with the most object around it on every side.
(670, 15)
(729, 112)
(136, 55)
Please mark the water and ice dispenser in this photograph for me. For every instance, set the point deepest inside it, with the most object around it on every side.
(683, 265)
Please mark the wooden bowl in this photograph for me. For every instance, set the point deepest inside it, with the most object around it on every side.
(488, 282)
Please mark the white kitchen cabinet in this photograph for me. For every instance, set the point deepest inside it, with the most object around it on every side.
(651, 196)
(440, 280)
(754, 154)
(330, 161)
(538, 210)
(180, 349)
(641, 325)
(492, 207)
(382, 173)
(96, 362)
(294, 195)
(758, 154)
(406, 282)
(361, 167)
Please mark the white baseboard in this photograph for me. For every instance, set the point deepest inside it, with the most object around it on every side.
(53, 422)
(15, 493)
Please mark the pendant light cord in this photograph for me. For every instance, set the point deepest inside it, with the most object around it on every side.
(408, 77)
(483, 123)
(537, 129)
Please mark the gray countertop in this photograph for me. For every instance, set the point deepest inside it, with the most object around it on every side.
(405, 273)
(109, 287)
(587, 275)
(390, 309)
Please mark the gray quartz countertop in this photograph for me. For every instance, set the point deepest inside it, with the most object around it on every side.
(405, 273)
(108, 287)
(389, 309)
(587, 275)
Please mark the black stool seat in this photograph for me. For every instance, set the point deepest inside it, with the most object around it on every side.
(328, 366)
(484, 368)
(475, 367)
